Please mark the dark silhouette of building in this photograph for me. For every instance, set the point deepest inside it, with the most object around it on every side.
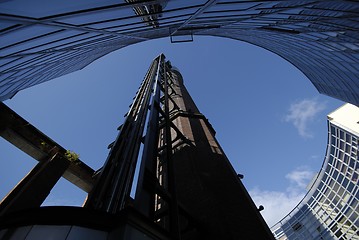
(40, 40)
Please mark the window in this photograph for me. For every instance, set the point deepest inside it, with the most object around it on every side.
(341, 134)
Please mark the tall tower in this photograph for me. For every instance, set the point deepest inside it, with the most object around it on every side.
(186, 189)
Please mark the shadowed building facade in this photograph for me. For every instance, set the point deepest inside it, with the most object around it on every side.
(40, 40)
(206, 180)
(330, 209)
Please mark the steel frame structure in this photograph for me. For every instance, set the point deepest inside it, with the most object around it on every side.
(163, 128)
(151, 107)
(52, 164)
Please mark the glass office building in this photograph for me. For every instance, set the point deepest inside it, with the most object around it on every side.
(40, 40)
(330, 210)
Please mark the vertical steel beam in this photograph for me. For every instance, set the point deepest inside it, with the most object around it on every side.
(112, 189)
(144, 198)
(173, 205)
(157, 186)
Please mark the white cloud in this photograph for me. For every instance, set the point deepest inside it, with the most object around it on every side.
(299, 178)
(302, 113)
(278, 204)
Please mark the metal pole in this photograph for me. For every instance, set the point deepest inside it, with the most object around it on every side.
(174, 222)
(144, 198)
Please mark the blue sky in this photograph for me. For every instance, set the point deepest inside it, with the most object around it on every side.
(269, 118)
